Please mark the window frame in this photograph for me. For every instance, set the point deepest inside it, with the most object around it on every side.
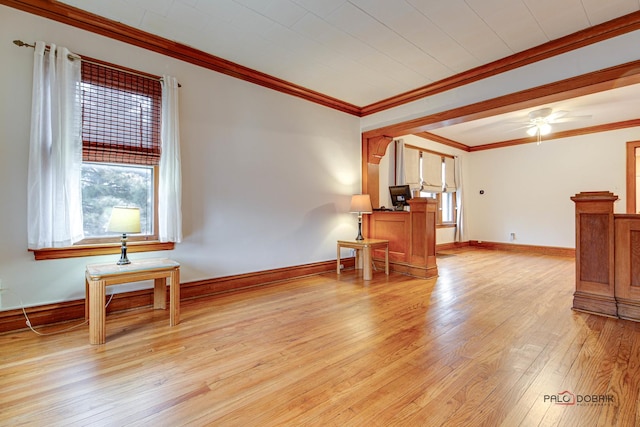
(133, 237)
(112, 245)
(633, 205)
(100, 249)
(438, 196)
(454, 209)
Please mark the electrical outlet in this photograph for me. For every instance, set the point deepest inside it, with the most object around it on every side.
(512, 236)
(341, 266)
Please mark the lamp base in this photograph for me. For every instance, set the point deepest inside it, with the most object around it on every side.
(359, 237)
(123, 251)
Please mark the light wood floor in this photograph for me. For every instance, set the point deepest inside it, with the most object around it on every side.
(486, 344)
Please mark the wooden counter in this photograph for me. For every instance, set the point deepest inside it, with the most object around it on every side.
(411, 236)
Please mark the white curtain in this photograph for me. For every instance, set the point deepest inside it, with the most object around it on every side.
(460, 228)
(170, 180)
(449, 175)
(432, 172)
(399, 162)
(54, 194)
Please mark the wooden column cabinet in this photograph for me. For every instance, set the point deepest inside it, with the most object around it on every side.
(595, 240)
(627, 270)
(422, 248)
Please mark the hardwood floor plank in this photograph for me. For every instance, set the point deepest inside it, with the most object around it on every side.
(489, 342)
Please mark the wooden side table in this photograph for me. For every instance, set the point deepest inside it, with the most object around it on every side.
(99, 276)
(363, 254)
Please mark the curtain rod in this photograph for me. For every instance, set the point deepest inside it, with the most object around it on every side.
(72, 57)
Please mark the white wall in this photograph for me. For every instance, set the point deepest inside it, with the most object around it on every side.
(527, 188)
(267, 177)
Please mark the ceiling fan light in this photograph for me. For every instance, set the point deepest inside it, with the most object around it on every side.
(532, 130)
(545, 129)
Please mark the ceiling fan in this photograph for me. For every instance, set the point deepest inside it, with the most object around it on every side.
(540, 121)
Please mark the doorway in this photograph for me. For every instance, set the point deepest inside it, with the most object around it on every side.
(633, 177)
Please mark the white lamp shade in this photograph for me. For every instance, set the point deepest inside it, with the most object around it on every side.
(361, 203)
(124, 220)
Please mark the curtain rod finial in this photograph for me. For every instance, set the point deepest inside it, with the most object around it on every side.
(21, 43)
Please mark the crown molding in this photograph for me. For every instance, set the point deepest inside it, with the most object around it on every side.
(591, 35)
(557, 135)
(78, 18)
(442, 140)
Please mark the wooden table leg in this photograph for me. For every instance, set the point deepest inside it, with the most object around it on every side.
(366, 260)
(358, 265)
(338, 260)
(86, 298)
(160, 293)
(97, 312)
(174, 297)
(386, 260)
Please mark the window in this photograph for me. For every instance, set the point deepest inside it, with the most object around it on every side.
(120, 148)
(110, 118)
(447, 207)
(446, 197)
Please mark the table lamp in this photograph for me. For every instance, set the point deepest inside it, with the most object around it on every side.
(360, 203)
(124, 220)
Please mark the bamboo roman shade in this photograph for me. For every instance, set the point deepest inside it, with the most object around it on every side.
(120, 116)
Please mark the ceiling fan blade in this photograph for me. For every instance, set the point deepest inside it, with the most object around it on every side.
(522, 126)
(499, 125)
(571, 119)
(553, 117)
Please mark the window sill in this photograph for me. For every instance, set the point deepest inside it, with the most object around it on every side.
(446, 225)
(101, 249)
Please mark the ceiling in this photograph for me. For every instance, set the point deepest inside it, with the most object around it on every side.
(365, 51)
(589, 111)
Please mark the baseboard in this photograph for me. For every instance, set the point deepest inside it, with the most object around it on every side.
(451, 245)
(49, 314)
(603, 305)
(404, 268)
(219, 285)
(532, 249)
